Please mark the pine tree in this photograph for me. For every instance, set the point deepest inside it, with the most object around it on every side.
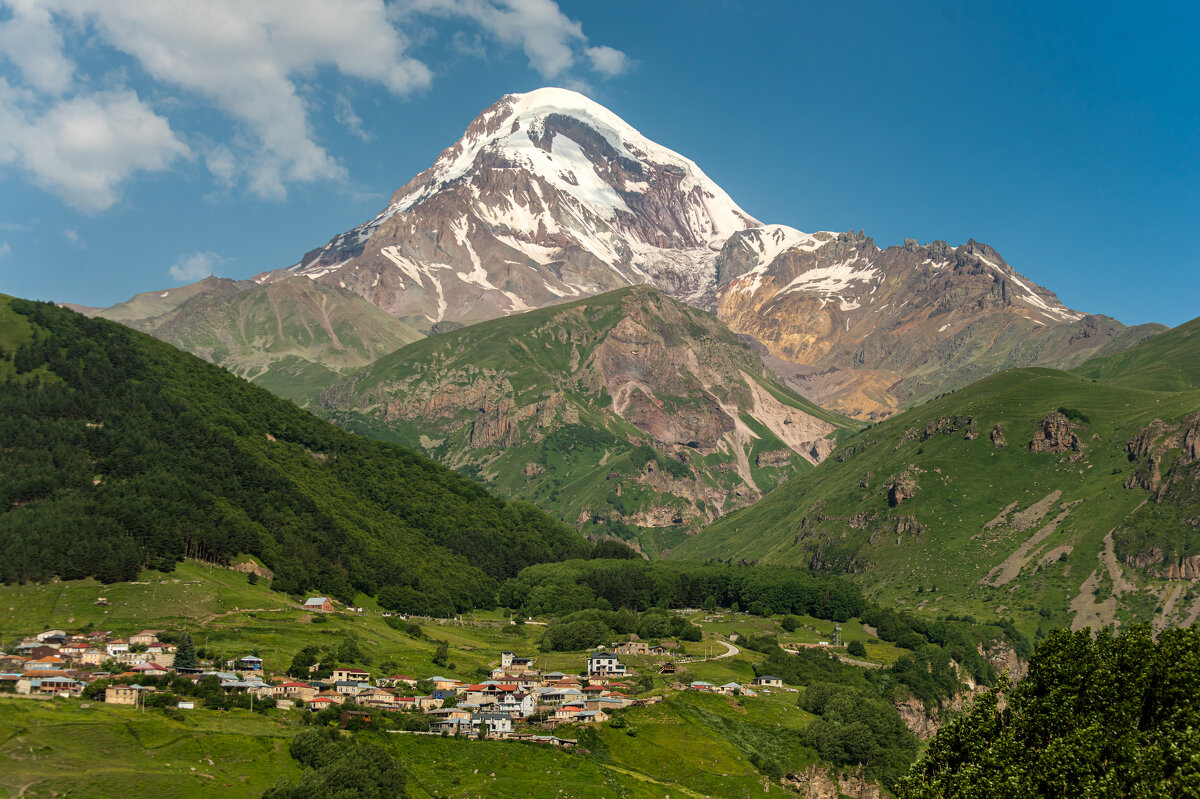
(185, 653)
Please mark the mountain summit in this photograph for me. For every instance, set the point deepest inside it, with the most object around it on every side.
(548, 195)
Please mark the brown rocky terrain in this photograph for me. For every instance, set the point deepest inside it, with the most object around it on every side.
(673, 419)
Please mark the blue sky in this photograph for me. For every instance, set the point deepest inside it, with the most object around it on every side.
(144, 143)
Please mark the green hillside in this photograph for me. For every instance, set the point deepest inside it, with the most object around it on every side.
(949, 508)
(1167, 362)
(294, 337)
(118, 452)
(627, 414)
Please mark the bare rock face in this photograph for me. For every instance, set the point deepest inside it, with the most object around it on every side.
(1055, 435)
(997, 437)
(817, 782)
(903, 486)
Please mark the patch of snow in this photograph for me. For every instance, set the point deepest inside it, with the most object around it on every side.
(833, 280)
(943, 327)
(165, 293)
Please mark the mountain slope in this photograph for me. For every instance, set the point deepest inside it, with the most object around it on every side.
(881, 329)
(1002, 495)
(549, 197)
(625, 407)
(294, 337)
(118, 451)
(1166, 363)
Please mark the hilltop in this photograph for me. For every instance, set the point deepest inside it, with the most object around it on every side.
(294, 337)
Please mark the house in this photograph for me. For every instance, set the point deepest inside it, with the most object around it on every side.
(145, 637)
(48, 681)
(185, 704)
(700, 685)
(116, 647)
(52, 637)
(295, 690)
(319, 603)
(590, 717)
(446, 684)
(519, 705)
(667, 668)
(567, 712)
(426, 703)
(604, 664)
(332, 696)
(515, 665)
(121, 694)
(633, 648)
(396, 680)
(491, 723)
(374, 696)
(350, 675)
(153, 669)
(320, 703)
(250, 663)
(348, 688)
(767, 679)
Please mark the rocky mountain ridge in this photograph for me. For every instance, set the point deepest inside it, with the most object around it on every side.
(549, 196)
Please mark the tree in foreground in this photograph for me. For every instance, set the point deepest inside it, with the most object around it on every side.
(1110, 716)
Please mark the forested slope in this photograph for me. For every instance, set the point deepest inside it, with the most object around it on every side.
(118, 451)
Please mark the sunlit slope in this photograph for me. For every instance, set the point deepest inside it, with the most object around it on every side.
(999, 496)
(626, 409)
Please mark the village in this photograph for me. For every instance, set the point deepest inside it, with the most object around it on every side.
(518, 701)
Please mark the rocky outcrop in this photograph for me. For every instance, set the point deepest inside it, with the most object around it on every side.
(903, 486)
(823, 782)
(1148, 449)
(1055, 435)
(773, 459)
(997, 436)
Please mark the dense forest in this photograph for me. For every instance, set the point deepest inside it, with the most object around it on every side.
(119, 452)
(557, 588)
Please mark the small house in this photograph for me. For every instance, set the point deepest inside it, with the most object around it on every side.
(769, 680)
(319, 603)
(604, 664)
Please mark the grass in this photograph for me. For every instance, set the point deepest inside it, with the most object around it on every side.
(52, 748)
(838, 513)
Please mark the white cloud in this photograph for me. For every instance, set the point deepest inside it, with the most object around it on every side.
(83, 148)
(197, 266)
(607, 61)
(4, 249)
(29, 39)
(343, 112)
(73, 236)
(547, 36)
(255, 62)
